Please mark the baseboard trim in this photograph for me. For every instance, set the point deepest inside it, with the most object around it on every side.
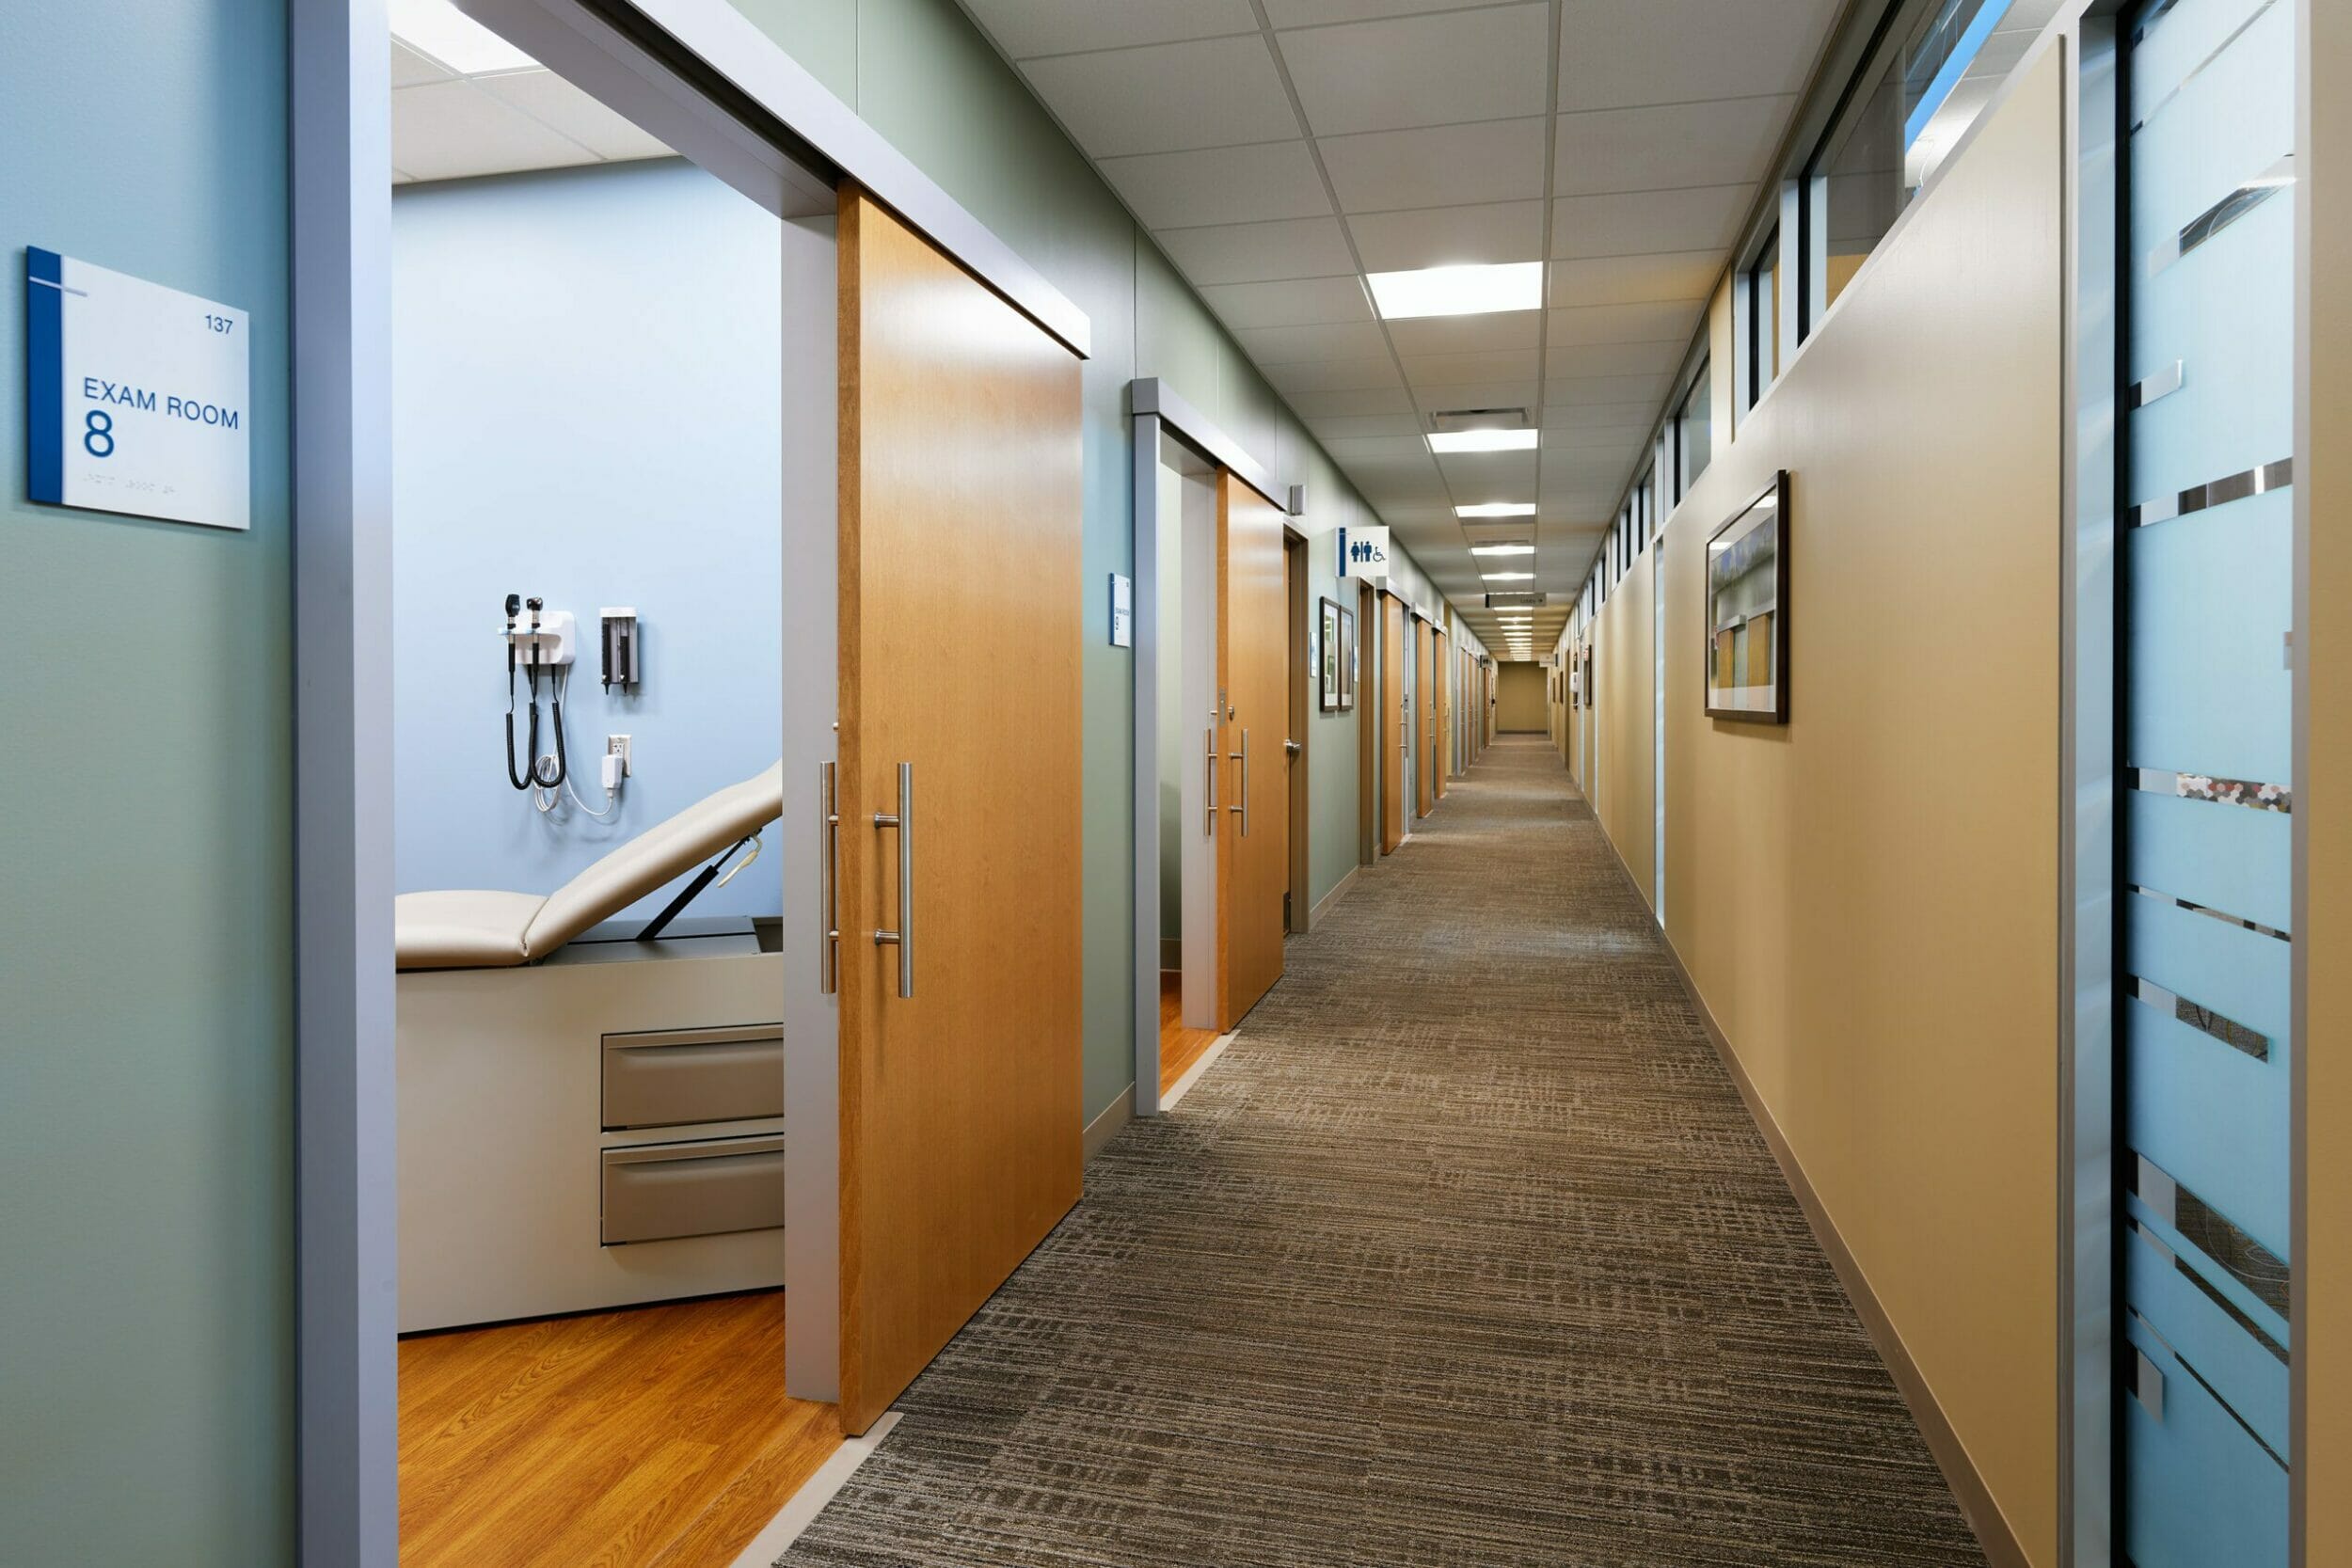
(1108, 1121)
(1991, 1526)
(1323, 906)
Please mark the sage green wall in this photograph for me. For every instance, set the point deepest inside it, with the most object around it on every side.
(146, 1043)
(920, 73)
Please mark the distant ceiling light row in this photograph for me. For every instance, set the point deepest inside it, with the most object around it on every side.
(1497, 509)
(1472, 290)
(438, 29)
(1481, 440)
(1508, 577)
(1503, 549)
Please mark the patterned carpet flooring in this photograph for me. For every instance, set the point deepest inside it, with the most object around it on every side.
(1465, 1252)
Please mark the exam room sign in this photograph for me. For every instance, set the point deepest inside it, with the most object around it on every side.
(136, 396)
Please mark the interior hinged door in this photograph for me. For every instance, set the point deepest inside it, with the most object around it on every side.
(1253, 668)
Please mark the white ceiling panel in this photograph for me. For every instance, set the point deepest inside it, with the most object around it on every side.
(1613, 440)
(1449, 236)
(410, 68)
(1418, 70)
(1722, 142)
(1631, 418)
(1386, 170)
(1568, 360)
(1168, 98)
(564, 109)
(1636, 279)
(1338, 376)
(1289, 345)
(1618, 52)
(1408, 449)
(1025, 27)
(1344, 426)
(1231, 184)
(1294, 302)
(1579, 391)
(1313, 13)
(1491, 475)
(1466, 369)
(1439, 397)
(1499, 330)
(454, 130)
(1632, 223)
(1622, 324)
(1259, 252)
(1347, 402)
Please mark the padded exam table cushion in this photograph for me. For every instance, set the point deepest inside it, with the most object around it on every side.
(465, 930)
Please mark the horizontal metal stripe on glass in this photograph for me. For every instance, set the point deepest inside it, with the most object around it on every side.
(2219, 492)
(2237, 1036)
(2223, 214)
(2264, 1272)
(2222, 915)
(2221, 792)
(2199, 69)
(2205, 1287)
(2188, 1366)
(2140, 394)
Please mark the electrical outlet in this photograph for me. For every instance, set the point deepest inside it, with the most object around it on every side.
(618, 746)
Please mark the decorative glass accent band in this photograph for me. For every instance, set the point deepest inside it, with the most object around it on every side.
(2236, 1036)
(2146, 1382)
(2244, 1259)
(2140, 394)
(2226, 918)
(2205, 1288)
(2199, 69)
(2229, 487)
(2223, 214)
(2221, 792)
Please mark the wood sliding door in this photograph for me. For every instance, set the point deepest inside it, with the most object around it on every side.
(959, 598)
(1392, 735)
(1424, 718)
(1253, 669)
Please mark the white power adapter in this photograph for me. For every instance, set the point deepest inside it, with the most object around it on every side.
(614, 770)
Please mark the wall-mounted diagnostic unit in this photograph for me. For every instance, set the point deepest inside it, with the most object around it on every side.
(621, 648)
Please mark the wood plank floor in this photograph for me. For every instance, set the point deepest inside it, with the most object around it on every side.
(1180, 1047)
(657, 1437)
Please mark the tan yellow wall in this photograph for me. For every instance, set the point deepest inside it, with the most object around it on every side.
(1867, 897)
(1625, 671)
(1519, 697)
(2323, 804)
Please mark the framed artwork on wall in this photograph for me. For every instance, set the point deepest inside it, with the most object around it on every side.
(1347, 659)
(1328, 656)
(1747, 610)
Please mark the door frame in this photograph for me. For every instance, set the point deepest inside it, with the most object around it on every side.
(671, 69)
(1299, 912)
(1155, 410)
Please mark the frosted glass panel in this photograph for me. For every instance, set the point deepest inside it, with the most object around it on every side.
(2248, 1377)
(2226, 312)
(2230, 969)
(2185, 38)
(2205, 1495)
(2227, 858)
(2216, 1119)
(2210, 692)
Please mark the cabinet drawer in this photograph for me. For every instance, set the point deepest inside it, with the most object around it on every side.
(671, 1077)
(656, 1192)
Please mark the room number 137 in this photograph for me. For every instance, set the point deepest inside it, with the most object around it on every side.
(220, 324)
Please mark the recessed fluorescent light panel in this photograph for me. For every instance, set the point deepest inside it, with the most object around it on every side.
(1474, 291)
(1497, 509)
(1508, 577)
(1481, 440)
(1503, 549)
(439, 29)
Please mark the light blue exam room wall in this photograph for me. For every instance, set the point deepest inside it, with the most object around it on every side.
(146, 841)
(586, 403)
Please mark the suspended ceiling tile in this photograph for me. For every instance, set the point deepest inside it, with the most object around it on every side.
(1504, 475)
(1289, 345)
(1435, 371)
(452, 130)
(1259, 252)
(1631, 223)
(1388, 170)
(1168, 98)
(1722, 142)
(1571, 360)
(1449, 236)
(1415, 71)
(1620, 441)
(410, 68)
(1569, 391)
(1636, 279)
(1622, 323)
(1406, 448)
(561, 107)
(1294, 302)
(1339, 427)
(1443, 396)
(1027, 27)
(1342, 402)
(1636, 418)
(1316, 13)
(1222, 185)
(1338, 376)
(1617, 53)
(1496, 331)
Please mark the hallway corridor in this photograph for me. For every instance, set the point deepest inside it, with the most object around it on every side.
(1466, 1252)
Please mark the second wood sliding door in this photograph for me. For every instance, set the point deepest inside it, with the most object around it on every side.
(1253, 821)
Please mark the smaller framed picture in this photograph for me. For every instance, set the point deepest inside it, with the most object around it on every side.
(1328, 657)
(1347, 660)
(1747, 610)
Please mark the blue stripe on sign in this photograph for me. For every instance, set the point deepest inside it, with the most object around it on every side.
(44, 376)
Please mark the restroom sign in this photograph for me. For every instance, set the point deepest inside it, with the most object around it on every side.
(138, 397)
(1364, 552)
